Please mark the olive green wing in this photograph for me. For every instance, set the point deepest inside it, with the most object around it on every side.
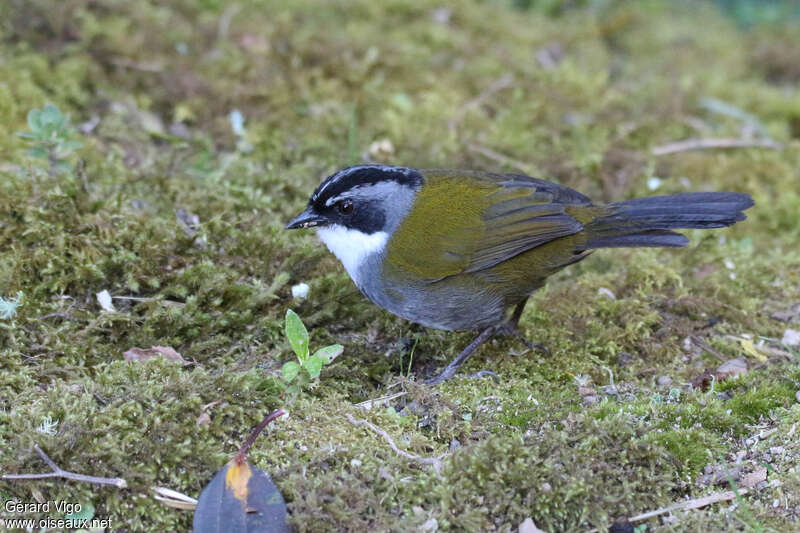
(467, 222)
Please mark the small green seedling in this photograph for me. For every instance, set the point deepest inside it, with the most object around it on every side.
(297, 374)
(52, 137)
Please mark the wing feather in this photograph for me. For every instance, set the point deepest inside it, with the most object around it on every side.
(485, 219)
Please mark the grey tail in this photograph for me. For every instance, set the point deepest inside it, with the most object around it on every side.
(648, 221)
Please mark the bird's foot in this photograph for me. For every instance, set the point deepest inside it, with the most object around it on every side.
(484, 374)
(506, 328)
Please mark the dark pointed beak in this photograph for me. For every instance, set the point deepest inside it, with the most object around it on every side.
(306, 219)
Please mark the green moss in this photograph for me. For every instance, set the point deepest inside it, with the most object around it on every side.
(693, 449)
(756, 403)
(566, 480)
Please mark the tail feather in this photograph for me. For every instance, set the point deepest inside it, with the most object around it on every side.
(648, 221)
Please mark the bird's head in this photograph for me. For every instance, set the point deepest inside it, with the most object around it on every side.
(357, 209)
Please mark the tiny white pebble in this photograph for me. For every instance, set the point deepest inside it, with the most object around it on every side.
(355, 463)
(653, 183)
(104, 299)
(791, 337)
(729, 264)
(300, 290)
(602, 291)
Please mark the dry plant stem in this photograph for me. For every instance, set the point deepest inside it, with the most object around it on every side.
(500, 158)
(704, 345)
(701, 144)
(436, 462)
(696, 503)
(58, 472)
(240, 457)
(505, 82)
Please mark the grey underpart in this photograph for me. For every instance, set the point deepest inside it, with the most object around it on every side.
(436, 305)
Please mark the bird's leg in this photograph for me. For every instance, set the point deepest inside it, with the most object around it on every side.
(508, 328)
(512, 328)
(451, 369)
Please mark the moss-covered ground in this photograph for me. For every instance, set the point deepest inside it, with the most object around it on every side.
(624, 416)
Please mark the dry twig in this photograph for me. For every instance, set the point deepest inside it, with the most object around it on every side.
(701, 144)
(695, 503)
(369, 404)
(175, 499)
(436, 462)
(500, 158)
(705, 346)
(58, 472)
(504, 82)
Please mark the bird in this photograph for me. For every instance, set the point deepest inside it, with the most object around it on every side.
(465, 249)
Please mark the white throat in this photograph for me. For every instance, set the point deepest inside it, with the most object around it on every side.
(352, 247)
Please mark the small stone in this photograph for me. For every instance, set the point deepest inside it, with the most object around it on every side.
(546, 487)
(104, 299)
(654, 183)
(791, 337)
(590, 400)
(787, 315)
(624, 358)
(381, 150)
(776, 450)
(431, 525)
(355, 463)
(550, 56)
(204, 419)
(730, 368)
(527, 526)
(300, 291)
(610, 390)
(724, 475)
(664, 381)
(755, 478)
(442, 15)
(602, 291)
(621, 527)
(586, 391)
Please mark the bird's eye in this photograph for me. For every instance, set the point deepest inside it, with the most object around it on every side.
(345, 207)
